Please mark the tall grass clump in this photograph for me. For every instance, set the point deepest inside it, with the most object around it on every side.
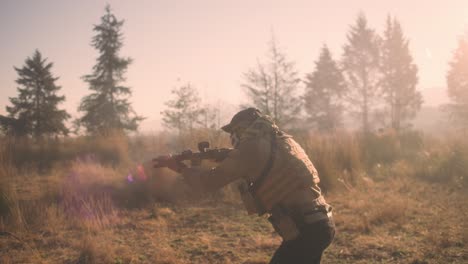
(337, 158)
(90, 252)
(10, 211)
(11, 216)
(86, 194)
(4, 196)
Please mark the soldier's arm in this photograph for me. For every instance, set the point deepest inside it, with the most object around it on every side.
(246, 161)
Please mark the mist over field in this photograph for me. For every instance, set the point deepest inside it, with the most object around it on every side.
(375, 93)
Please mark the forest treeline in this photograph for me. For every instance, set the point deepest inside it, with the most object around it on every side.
(374, 82)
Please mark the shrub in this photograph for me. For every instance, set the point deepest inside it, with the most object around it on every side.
(445, 163)
(388, 146)
(111, 150)
(26, 154)
(412, 143)
(380, 148)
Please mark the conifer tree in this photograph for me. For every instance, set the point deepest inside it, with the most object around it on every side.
(457, 83)
(272, 87)
(107, 107)
(325, 88)
(361, 71)
(35, 111)
(399, 76)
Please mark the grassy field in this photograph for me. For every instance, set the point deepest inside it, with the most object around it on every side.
(393, 208)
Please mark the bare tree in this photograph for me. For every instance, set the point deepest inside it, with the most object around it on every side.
(272, 87)
(184, 111)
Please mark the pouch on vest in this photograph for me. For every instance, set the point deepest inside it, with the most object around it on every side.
(292, 171)
(247, 198)
(277, 187)
(284, 224)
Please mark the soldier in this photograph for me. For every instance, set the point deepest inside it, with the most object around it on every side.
(278, 179)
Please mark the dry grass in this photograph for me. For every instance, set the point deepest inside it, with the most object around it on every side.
(84, 210)
(399, 221)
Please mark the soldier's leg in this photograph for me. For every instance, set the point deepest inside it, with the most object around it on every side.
(309, 246)
(285, 253)
(296, 252)
(315, 239)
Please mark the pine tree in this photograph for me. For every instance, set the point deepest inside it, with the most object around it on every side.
(457, 83)
(184, 112)
(272, 87)
(399, 76)
(35, 111)
(361, 71)
(107, 107)
(325, 88)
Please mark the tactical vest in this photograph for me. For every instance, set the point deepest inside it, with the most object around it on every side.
(290, 169)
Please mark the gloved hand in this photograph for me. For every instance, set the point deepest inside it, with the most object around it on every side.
(170, 162)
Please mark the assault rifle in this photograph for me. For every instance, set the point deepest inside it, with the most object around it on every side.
(175, 162)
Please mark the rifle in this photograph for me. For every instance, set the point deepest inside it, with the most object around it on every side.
(175, 162)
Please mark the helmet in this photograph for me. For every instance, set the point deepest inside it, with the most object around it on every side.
(244, 117)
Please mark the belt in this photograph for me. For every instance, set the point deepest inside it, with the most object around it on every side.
(316, 216)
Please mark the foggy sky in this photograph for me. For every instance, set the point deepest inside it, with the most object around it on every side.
(211, 43)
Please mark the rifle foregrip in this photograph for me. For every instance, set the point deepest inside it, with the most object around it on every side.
(174, 162)
(221, 154)
(160, 163)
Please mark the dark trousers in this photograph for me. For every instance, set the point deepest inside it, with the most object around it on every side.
(309, 246)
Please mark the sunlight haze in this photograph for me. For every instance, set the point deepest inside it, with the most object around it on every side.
(210, 44)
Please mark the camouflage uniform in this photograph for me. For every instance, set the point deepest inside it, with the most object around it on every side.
(276, 172)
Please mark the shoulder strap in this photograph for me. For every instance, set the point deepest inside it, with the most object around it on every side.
(256, 184)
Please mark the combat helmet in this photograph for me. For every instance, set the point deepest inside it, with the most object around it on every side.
(242, 118)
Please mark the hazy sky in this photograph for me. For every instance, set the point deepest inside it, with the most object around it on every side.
(210, 43)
